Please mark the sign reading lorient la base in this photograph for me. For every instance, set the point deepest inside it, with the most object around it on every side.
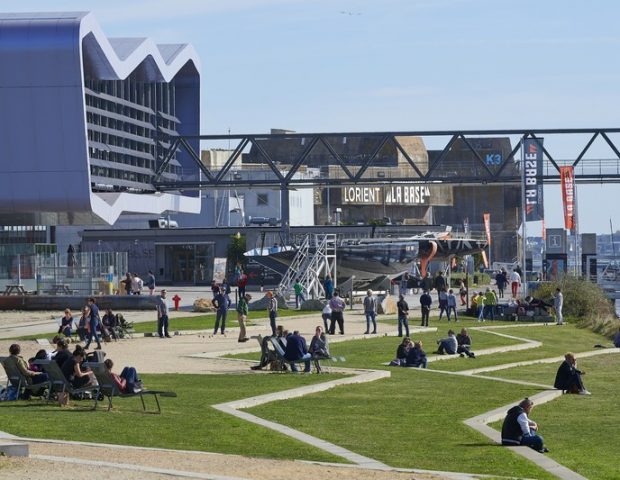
(388, 194)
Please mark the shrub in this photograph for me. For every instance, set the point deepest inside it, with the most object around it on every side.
(478, 279)
(584, 301)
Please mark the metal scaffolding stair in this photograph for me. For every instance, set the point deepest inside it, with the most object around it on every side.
(315, 258)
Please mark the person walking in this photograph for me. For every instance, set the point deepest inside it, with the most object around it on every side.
(439, 284)
(299, 294)
(136, 284)
(242, 314)
(452, 306)
(328, 285)
(272, 309)
(221, 303)
(326, 314)
(337, 304)
(403, 315)
(463, 293)
(370, 310)
(427, 282)
(558, 303)
(93, 322)
(501, 280)
(242, 283)
(515, 282)
(490, 303)
(150, 282)
(162, 315)
(443, 303)
(425, 302)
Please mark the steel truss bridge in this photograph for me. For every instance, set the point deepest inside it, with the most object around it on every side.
(455, 157)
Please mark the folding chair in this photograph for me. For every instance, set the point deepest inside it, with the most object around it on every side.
(19, 381)
(60, 384)
(109, 389)
(281, 355)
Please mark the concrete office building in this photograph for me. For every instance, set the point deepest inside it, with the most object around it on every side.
(89, 119)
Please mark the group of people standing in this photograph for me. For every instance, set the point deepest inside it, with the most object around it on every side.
(133, 284)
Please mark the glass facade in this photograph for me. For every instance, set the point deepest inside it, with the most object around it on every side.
(129, 123)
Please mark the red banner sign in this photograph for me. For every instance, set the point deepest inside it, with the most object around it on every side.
(567, 180)
(487, 226)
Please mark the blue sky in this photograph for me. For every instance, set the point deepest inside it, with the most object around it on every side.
(331, 65)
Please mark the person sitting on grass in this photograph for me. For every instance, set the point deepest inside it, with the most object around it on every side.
(448, 345)
(518, 429)
(297, 350)
(416, 357)
(464, 344)
(401, 352)
(568, 377)
(127, 381)
(66, 324)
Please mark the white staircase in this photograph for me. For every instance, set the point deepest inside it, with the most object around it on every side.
(315, 258)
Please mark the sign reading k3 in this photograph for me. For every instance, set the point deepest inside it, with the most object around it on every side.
(533, 160)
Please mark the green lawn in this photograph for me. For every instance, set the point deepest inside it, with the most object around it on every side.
(372, 352)
(413, 419)
(581, 431)
(556, 341)
(423, 405)
(187, 422)
(207, 321)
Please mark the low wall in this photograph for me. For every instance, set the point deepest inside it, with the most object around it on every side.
(75, 303)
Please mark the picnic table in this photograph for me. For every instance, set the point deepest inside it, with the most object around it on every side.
(18, 289)
(61, 289)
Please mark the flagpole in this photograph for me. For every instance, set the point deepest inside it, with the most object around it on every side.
(524, 219)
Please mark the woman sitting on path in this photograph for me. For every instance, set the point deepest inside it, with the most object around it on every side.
(66, 324)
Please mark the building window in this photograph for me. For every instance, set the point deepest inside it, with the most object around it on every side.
(262, 199)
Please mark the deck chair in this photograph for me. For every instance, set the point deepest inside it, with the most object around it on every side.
(60, 384)
(109, 389)
(20, 382)
(280, 353)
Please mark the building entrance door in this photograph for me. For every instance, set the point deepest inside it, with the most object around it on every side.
(188, 263)
(183, 262)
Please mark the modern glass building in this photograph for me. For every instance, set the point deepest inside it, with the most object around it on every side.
(87, 120)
